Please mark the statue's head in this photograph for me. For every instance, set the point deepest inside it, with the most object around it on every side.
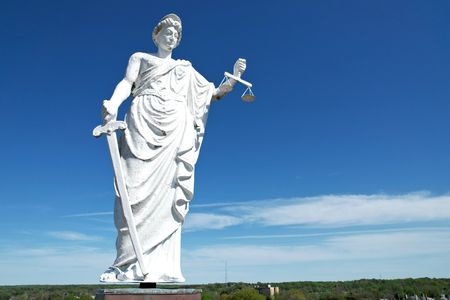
(167, 34)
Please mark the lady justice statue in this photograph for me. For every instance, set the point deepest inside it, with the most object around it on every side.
(157, 155)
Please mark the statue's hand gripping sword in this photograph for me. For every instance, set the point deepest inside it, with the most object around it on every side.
(110, 129)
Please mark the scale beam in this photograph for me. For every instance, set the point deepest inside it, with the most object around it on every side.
(246, 83)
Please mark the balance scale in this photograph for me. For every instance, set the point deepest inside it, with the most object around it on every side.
(248, 95)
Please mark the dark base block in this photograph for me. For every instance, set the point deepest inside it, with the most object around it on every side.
(148, 294)
(147, 285)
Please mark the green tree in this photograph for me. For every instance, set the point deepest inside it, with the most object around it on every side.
(291, 295)
(247, 294)
(208, 296)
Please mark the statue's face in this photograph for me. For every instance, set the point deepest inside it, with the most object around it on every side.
(167, 38)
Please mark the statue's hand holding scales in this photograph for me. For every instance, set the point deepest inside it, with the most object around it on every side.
(227, 84)
(154, 161)
(239, 67)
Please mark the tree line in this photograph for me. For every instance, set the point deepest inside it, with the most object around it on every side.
(299, 290)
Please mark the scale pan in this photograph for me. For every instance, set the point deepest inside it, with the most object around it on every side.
(248, 97)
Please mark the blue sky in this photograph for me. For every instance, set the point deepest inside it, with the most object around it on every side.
(339, 170)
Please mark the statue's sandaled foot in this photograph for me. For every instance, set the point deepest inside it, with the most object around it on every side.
(110, 275)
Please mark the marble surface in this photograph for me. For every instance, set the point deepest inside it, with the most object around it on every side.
(165, 126)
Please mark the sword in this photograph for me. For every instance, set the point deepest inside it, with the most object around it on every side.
(110, 129)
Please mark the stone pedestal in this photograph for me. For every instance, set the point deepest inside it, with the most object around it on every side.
(148, 294)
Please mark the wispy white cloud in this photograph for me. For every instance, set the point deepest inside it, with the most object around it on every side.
(198, 221)
(220, 204)
(48, 251)
(349, 247)
(73, 236)
(35, 252)
(421, 253)
(332, 233)
(324, 210)
(91, 214)
(49, 265)
(345, 210)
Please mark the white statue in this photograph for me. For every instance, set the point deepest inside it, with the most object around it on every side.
(158, 151)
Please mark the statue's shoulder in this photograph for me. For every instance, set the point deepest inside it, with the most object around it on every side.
(140, 56)
(184, 62)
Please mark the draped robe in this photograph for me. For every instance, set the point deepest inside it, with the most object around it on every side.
(166, 122)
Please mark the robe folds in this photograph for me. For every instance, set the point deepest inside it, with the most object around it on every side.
(166, 123)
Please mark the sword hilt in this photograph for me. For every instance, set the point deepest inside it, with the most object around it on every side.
(109, 128)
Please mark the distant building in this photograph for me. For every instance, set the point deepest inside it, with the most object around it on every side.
(269, 291)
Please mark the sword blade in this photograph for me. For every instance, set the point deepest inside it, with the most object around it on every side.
(126, 206)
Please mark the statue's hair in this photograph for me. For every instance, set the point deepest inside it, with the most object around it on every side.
(170, 20)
